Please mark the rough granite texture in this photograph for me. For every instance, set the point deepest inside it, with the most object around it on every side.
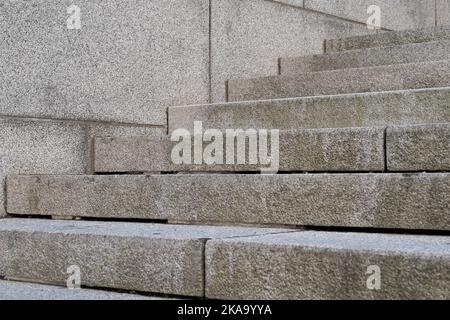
(128, 62)
(11, 290)
(349, 149)
(369, 79)
(418, 148)
(386, 39)
(297, 3)
(38, 146)
(351, 110)
(154, 258)
(408, 53)
(395, 14)
(326, 265)
(248, 37)
(402, 201)
(442, 12)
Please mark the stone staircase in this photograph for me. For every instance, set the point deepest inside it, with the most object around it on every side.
(360, 207)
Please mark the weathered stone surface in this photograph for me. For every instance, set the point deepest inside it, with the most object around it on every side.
(11, 290)
(143, 257)
(442, 12)
(248, 37)
(349, 149)
(133, 154)
(353, 110)
(418, 148)
(325, 265)
(41, 146)
(395, 14)
(403, 201)
(369, 79)
(388, 39)
(408, 53)
(297, 3)
(128, 62)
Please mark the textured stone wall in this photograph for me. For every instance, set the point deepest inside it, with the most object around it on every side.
(133, 58)
(442, 12)
(395, 14)
(129, 60)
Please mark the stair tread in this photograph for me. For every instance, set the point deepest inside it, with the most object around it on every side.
(14, 290)
(129, 229)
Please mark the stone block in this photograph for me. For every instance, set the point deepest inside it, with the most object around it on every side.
(388, 201)
(418, 148)
(328, 265)
(153, 258)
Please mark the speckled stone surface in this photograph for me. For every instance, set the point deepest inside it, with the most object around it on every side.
(402, 201)
(333, 150)
(415, 52)
(395, 14)
(128, 62)
(11, 290)
(143, 257)
(328, 265)
(388, 39)
(418, 148)
(351, 110)
(248, 37)
(297, 3)
(369, 79)
(442, 12)
(41, 146)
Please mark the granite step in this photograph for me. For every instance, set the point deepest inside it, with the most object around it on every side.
(407, 201)
(409, 53)
(357, 80)
(311, 150)
(402, 107)
(379, 149)
(418, 148)
(328, 265)
(386, 39)
(142, 257)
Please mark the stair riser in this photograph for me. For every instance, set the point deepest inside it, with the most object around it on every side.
(49, 256)
(418, 148)
(367, 58)
(408, 149)
(373, 79)
(332, 150)
(342, 200)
